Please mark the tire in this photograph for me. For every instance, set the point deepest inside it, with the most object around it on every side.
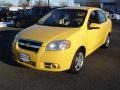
(77, 62)
(107, 42)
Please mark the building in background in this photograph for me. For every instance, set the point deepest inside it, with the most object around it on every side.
(105, 4)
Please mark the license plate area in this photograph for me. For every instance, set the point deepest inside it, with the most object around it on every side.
(24, 57)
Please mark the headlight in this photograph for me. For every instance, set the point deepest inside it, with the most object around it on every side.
(17, 37)
(58, 45)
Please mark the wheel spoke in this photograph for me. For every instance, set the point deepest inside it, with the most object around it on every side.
(79, 61)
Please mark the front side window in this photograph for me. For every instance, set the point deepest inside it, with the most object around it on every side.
(64, 18)
(93, 18)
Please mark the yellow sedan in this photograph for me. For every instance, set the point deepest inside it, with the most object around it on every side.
(62, 39)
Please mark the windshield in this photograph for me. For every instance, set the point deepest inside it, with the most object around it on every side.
(64, 18)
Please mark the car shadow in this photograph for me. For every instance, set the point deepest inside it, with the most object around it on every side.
(6, 38)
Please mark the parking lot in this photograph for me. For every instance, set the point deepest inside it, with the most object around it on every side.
(101, 70)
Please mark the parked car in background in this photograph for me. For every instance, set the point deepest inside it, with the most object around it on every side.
(106, 13)
(2, 12)
(62, 39)
(117, 16)
(112, 14)
(31, 16)
(6, 17)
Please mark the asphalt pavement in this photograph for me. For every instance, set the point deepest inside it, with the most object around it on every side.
(101, 70)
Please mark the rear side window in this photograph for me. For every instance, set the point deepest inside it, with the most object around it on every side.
(102, 17)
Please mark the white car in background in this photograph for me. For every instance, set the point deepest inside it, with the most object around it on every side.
(6, 24)
(114, 15)
(106, 13)
(118, 16)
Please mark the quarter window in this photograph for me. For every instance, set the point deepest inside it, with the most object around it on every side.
(102, 17)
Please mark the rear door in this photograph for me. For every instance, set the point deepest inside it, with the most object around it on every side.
(104, 26)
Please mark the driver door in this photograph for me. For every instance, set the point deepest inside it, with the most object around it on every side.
(93, 34)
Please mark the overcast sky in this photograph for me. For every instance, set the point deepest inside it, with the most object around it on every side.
(54, 2)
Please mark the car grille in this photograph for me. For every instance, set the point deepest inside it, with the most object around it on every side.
(29, 45)
(31, 63)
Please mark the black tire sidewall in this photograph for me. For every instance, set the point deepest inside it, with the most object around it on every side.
(105, 45)
(72, 68)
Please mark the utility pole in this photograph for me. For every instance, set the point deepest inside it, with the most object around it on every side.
(118, 6)
(31, 4)
(68, 2)
(4, 3)
(48, 3)
(28, 2)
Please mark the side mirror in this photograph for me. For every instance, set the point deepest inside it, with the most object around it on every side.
(94, 26)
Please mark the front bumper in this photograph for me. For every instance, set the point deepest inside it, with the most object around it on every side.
(46, 60)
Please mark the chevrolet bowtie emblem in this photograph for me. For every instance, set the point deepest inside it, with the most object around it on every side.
(27, 45)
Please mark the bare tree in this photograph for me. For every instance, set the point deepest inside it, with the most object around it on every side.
(95, 3)
(23, 3)
(6, 4)
(40, 3)
(63, 3)
(1, 3)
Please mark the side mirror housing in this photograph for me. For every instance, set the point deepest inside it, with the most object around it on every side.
(94, 26)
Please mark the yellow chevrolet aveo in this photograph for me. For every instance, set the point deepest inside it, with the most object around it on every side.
(62, 39)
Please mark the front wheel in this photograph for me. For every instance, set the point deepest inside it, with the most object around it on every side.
(77, 62)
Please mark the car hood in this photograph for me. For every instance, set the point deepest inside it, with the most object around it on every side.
(46, 34)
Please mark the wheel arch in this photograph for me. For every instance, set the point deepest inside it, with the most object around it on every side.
(109, 34)
(82, 48)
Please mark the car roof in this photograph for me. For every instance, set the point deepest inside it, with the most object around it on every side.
(81, 7)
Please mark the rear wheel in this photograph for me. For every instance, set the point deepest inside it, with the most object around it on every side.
(107, 42)
(77, 62)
